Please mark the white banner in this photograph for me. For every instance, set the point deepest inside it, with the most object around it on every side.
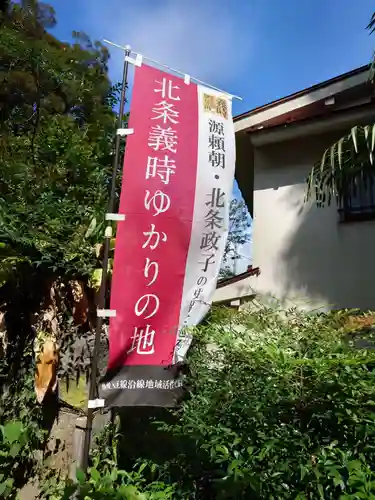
(214, 185)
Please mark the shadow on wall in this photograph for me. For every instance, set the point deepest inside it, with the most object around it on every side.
(330, 262)
(304, 252)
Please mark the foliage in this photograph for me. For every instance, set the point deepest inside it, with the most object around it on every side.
(21, 433)
(13, 451)
(57, 123)
(56, 128)
(106, 480)
(281, 405)
(348, 161)
(17, 399)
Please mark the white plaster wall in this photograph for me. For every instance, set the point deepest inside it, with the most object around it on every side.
(305, 255)
(243, 288)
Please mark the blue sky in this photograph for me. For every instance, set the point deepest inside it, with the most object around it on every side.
(260, 50)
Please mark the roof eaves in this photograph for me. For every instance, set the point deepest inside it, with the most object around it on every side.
(300, 93)
(255, 271)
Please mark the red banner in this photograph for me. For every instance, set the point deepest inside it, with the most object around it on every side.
(152, 243)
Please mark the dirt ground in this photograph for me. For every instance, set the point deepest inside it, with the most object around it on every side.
(61, 446)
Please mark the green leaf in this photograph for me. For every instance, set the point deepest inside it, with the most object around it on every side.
(332, 156)
(3, 487)
(91, 228)
(354, 465)
(81, 477)
(6, 487)
(303, 471)
(250, 450)
(142, 468)
(337, 481)
(110, 266)
(366, 130)
(96, 279)
(323, 160)
(114, 474)
(353, 133)
(12, 431)
(95, 474)
(15, 449)
(222, 449)
(321, 491)
(339, 151)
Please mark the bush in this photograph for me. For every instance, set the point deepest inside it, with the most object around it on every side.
(21, 431)
(279, 406)
(105, 479)
(13, 443)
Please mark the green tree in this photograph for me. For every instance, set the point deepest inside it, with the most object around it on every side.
(238, 235)
(56, 126)
(348, 160)
(56, 129)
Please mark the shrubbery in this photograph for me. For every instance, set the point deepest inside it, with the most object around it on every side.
(22, 432)
(281, 406)
(105, 479)
(278, 406)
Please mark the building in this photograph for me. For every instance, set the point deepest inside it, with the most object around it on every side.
(307, 256)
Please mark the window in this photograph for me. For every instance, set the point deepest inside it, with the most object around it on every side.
(357, 202)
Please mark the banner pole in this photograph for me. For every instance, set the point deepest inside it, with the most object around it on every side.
(103, 285)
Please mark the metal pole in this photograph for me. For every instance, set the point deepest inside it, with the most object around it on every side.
(173, 70)
(103, 285)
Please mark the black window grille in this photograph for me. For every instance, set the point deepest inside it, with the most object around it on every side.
(357, 201)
